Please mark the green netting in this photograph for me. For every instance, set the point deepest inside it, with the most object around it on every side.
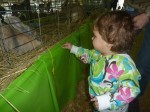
(51, 81)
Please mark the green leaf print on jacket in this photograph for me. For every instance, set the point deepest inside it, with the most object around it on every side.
(98, 67)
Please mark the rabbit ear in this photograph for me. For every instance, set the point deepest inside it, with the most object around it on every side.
(120, 5)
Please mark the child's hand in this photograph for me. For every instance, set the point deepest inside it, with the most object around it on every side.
(95, 102)
(67, 45)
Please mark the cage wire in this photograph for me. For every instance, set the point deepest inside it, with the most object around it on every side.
(29, 27)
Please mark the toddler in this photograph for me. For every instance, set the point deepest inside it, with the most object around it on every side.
(114, 78)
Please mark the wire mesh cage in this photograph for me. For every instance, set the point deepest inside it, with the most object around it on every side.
(29, 27)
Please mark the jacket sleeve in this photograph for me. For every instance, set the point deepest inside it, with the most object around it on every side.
(141, 6)
(147, 11)
(85, 55)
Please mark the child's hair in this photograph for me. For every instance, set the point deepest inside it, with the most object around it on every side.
(116, 28)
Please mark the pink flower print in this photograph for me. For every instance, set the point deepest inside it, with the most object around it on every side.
(84, 58)
(103, 84)
(125, 95)
(114, 72)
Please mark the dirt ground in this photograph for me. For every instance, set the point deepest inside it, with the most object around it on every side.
(81, 103)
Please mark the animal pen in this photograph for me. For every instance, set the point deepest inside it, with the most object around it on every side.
(36, 74)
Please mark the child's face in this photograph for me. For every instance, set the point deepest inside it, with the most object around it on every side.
(99, 44)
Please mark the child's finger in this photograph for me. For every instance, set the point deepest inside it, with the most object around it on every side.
(94, 99)
(65, 45)
(96, 104)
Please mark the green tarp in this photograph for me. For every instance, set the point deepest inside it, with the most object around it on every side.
(51, 81)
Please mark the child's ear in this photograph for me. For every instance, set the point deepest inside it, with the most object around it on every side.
(109, 45)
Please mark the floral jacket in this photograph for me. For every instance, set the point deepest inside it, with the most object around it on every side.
(113, 79)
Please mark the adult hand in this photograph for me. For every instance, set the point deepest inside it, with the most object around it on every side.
(95, 103)
(67, 45)
(140, 21)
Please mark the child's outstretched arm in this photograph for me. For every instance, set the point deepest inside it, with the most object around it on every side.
(83, 54)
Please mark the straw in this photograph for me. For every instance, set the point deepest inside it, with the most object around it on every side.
(10, 103)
